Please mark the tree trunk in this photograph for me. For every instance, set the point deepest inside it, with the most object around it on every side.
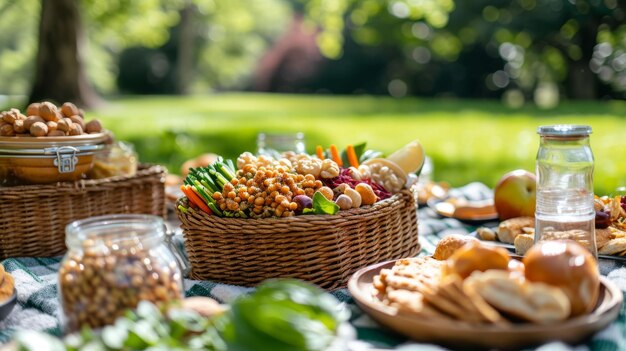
(581, 80)
(59, 73)
(184, 61)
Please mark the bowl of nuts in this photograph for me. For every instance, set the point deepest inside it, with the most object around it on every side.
(47, 144)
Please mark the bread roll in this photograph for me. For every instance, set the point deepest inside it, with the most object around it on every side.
(569, 266)
(476, 257)
(449, 244)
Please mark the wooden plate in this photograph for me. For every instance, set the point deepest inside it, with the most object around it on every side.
(473, 212)
(465, 335)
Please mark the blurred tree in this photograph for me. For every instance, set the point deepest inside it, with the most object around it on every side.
(74, 35)
(216, 44)
(526, 47)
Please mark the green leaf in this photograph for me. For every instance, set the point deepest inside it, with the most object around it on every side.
(321, 205)
(287, 315)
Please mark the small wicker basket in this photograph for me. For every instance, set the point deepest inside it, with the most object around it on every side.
(324, 250)
(33, 217)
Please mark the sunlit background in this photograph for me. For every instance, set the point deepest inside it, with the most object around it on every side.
(471, 79)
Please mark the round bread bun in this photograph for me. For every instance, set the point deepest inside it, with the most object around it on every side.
(569, 266)
(476, 257)
(449, 244)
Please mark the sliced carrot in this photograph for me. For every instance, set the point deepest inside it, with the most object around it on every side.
(335, 155)
(320, 152)
(194, 198)
(354, 161)
(201, 199)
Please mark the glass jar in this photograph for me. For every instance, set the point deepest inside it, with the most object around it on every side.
(565, 186)
(271, 144)
(112, 263)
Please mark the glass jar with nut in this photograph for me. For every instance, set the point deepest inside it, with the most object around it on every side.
(112, 263)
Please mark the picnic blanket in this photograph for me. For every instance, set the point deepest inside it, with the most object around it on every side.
(38, 301)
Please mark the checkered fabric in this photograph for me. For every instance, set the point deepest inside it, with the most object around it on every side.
(38, 301)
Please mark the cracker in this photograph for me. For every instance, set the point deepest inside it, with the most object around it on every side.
(613, 246)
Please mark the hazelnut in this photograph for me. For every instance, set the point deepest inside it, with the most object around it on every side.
(48, 111)
(18, 126)
(30, 120)
(65, 124)
(51, 126)
(93, 126)
(9, 117)
(75, 129)
(69, 109)
(78, 120)
(7, 130)
(33, 109)
(39, 129)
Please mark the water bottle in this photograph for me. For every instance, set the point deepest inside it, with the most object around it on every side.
(565, 186)
(273, 144)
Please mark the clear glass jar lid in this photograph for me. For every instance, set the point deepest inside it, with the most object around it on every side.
(564, 130)
(119, 230)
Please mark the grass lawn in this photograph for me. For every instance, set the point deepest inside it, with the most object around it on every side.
(468, 140)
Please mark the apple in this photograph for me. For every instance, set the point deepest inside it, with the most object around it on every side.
(515, 195)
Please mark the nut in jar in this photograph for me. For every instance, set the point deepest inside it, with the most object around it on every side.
(114, 262)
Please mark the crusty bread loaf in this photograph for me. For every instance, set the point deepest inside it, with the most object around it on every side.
(523, 243)
(509, 229)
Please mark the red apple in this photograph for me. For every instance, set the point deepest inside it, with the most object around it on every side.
(515, 194)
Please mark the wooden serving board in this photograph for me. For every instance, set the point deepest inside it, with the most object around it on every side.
(465, 335)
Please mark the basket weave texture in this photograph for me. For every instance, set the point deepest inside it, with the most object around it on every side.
(33, 217)
(321, 249)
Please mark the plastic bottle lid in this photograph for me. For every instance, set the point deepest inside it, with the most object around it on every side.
(564, 130)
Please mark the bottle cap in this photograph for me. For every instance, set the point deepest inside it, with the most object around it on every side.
(564, 130)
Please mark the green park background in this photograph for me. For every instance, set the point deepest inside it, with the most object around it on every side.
(472, 80)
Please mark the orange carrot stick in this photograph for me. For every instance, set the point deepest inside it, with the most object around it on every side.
(320, 152)
(335, 155)
(195, 198)
(354, 161)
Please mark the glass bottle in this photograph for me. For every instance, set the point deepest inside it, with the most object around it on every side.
(273, 144)
(112, 263)
(565, 186)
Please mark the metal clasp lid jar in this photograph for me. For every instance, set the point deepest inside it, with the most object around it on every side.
(41, 160)
(564, 168)
(112, 263)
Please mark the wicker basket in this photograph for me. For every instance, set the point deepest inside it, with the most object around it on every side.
(33, 217)
(324, 250)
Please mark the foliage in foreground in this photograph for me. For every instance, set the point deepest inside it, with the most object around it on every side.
(285, 315)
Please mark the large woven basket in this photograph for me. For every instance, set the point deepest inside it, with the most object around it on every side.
(33, 217)
(324, 250)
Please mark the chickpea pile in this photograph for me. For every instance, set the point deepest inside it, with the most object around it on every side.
(98, 287)
(265, 192)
